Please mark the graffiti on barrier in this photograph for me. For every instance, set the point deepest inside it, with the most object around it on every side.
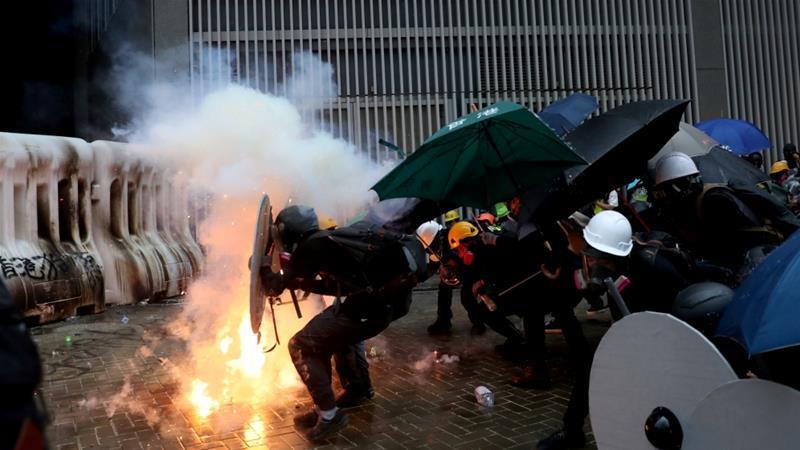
(49, 266)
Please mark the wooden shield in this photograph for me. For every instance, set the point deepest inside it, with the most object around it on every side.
(262, 249)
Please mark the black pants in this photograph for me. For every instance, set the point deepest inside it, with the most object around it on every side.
(444, 305)
(339, 333)
(561, 299)
(496, 320)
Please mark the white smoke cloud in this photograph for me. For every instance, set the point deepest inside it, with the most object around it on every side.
(122, 400)
(235, 144)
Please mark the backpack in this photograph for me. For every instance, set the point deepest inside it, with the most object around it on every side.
(775, 221)
(658, 244)
(368, 244)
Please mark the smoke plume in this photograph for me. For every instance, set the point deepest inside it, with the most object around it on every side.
(232, 146)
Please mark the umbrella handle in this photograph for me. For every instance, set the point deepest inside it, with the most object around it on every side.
(613, 292)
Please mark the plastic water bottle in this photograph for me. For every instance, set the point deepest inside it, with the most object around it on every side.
(484, 396)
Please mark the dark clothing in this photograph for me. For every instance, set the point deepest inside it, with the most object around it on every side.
(724, 222)
(339, 335)
(658, 270)
(376, 272)
(20, 373)
(444, 303)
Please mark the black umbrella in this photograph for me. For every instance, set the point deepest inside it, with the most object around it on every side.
(617, 146)
(722, 166)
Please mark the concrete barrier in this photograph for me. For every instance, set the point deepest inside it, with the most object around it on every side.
(84, 225)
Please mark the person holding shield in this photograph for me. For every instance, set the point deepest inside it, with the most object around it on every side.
(374, 270)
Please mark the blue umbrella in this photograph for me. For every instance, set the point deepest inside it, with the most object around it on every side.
(566, 114)
(764, 311)
(741, 136)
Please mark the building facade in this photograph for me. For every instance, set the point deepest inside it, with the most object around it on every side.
(403, 68)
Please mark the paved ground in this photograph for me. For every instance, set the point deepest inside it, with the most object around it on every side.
(102, 394)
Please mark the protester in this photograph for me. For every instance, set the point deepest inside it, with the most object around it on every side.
(755, 158)
(779, 172)
(791, 155)
(449, 269)
(375, 270)
(466, 240)
(718, 222)
(22, 421)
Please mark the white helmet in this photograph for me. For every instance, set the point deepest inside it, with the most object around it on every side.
(674, 165)
(426, 233)
(609, 232)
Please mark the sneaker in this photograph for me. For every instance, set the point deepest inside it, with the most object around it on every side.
(551, 326)
(478, 329)
(440, 327)
(351, 399)
(306, 419)
(562, 441)
(326, 428)
(531, 379)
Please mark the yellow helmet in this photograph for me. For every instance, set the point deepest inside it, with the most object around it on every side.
(779, 166)
(327, 222)
(451, 215)
(460, 231)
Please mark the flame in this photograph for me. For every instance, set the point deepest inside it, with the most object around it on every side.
(254, 429)
(251, 357)
(225, 344)
(227, 371)
(203, 404)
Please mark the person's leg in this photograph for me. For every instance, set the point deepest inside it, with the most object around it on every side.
(472, 307)
(534, 369)
(353, 369)
(444, 310)
(311, 350)
(580, 356)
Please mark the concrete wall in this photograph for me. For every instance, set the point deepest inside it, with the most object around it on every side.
(86, 224)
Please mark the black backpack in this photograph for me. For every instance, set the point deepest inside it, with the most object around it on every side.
(772, 216)
(368, 244)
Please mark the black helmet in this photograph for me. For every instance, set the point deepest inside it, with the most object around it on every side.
(294, 223)
(701, 305)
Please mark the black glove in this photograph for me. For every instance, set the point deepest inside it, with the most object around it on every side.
(273, 283)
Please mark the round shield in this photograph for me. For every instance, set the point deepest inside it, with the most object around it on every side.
(746, 414)
(649, 360)
(261, 257)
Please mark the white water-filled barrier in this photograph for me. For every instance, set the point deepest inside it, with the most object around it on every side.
(89, 224)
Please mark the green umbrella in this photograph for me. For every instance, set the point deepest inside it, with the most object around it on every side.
(482, 158)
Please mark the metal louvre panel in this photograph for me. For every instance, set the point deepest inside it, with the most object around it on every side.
(762, 60)
(404, 68)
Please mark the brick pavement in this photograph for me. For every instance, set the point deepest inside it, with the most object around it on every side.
(102, 394)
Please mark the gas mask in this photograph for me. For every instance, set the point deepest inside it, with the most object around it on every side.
(465, 255)
(590, 278)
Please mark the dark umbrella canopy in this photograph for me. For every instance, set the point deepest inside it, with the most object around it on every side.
(617, 146)
(480, 159)
(716, 165)
(763, 313)
(619, 143)
(722, 166)
(566, 114)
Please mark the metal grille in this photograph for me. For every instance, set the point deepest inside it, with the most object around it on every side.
(404, 68)
(95, 15)
(762, 59)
